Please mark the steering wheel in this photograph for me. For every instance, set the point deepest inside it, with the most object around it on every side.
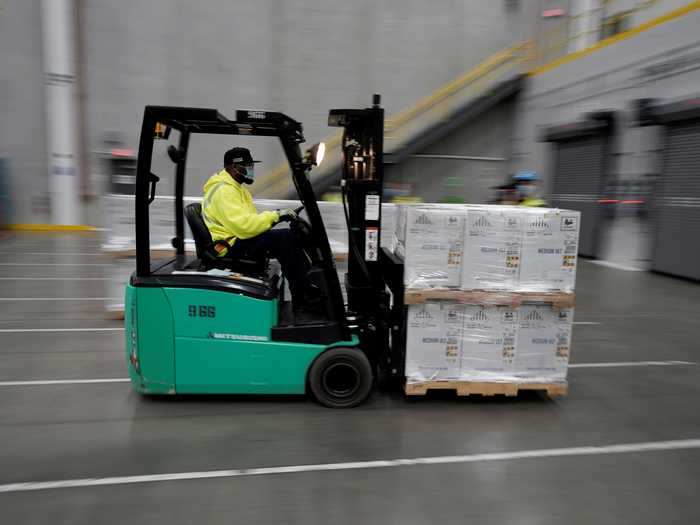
(300, 227)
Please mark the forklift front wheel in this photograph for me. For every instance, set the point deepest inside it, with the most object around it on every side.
(341, 378)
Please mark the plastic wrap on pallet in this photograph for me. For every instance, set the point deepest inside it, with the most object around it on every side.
(398, 237)
(504, 248)
(119, 222)
(120, 227)
(334, 220)
(430, 239)
(119, 238)
(333, 216)
(388, 224)
(275, 204)
(487, 343)
(120, 271)
(549, 249)
(492, 241)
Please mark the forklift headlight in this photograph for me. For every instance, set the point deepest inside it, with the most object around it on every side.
(320, 153)
(315, 154)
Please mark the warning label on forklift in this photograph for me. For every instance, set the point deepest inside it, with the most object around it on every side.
(371, 243)
(372, 207)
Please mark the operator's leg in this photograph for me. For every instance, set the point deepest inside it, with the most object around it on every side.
(279, 244)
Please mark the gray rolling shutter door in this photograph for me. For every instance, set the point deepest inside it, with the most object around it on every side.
(577, 184)
(677, 244)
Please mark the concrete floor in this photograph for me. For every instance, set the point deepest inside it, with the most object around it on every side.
(75, 431)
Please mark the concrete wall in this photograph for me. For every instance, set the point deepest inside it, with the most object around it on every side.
(611, 78)
(436, 179)
(22, 118)
(301, 57)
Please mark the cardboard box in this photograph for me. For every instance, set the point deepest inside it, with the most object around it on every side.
(488, 343)
(549, 249)
(542, 343)
(451, 341)
(492, 242)
(433, 341)
(430, 240)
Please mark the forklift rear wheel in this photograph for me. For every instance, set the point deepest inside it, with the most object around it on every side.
(341, 378)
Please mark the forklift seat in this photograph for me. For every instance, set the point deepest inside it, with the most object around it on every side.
(207, 254)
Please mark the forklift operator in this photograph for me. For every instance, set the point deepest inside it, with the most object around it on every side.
(230, 215)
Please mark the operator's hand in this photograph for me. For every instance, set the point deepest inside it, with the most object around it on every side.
(286, 215)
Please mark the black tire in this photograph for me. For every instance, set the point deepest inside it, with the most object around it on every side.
(341, 378)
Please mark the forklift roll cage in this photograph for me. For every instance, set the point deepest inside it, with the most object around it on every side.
(247, 123)
(374, 316)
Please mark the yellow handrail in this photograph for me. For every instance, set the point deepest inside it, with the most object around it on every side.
(453, 86)
(277, 179)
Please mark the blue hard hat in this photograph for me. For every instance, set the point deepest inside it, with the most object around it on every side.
(526, 176)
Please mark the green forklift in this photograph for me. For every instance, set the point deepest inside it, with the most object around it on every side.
(203, 325)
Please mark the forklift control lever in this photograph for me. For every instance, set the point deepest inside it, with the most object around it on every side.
(153, 179)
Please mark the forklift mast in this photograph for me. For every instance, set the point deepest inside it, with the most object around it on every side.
(361, 187)
(371, 269)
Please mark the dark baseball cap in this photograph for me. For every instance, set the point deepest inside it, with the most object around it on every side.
(238, 156)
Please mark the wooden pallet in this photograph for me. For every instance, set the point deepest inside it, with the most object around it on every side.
(496, 298)
(468, 388)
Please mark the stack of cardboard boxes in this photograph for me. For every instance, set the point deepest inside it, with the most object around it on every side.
(490, 292)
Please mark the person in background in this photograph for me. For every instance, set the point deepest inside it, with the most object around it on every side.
(506, 194)
(528, 189)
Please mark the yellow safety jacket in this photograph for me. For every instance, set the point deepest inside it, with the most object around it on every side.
(531, 202)
(229, 212)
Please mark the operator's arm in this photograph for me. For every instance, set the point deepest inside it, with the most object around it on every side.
(237, 219)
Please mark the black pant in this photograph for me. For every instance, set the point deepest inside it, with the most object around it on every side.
(278, 244)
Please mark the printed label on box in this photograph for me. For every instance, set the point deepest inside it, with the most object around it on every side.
(569, 223)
